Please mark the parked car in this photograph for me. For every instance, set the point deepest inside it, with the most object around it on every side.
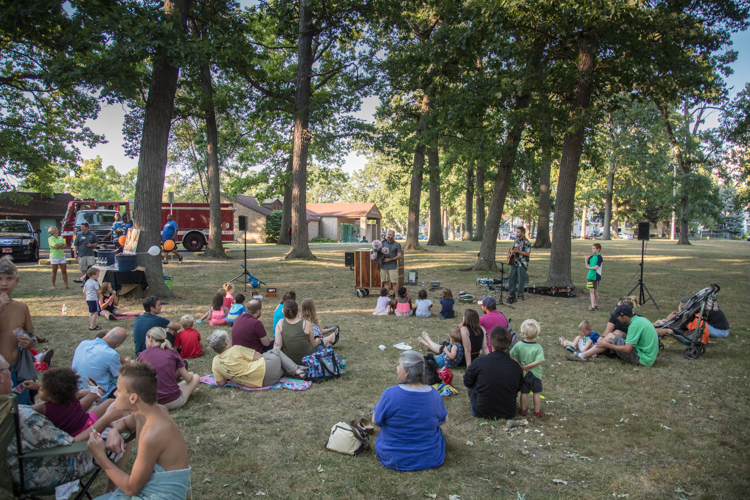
(19, 239)
(422, 236)
(625, 236)
(398, 237)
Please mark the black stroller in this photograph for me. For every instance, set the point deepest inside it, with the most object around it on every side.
(698, 303)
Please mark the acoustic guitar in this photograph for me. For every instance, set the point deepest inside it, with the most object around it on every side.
(511, 255)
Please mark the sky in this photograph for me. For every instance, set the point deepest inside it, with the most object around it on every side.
(110, 119)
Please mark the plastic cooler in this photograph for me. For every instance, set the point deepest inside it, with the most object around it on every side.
(105, 257)
(126, 262)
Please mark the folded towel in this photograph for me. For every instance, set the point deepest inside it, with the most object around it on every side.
(284, 383)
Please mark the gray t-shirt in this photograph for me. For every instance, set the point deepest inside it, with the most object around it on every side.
(81, 240)
(393, 250)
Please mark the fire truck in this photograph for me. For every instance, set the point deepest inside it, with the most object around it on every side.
(192, 220)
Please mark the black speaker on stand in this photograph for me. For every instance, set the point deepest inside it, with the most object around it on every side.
(242, 226)
(644, 228)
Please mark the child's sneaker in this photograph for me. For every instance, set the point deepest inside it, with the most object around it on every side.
(523, 412)
(540, 414)
(570, 348)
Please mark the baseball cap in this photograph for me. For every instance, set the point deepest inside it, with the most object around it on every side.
(488, 301)
(624, 310)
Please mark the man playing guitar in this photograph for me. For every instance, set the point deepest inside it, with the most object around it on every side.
(518, 258)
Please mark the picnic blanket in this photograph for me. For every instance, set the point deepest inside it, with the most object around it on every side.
(285, 383)
(445, 390)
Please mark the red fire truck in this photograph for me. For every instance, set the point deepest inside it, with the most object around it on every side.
(192, 220)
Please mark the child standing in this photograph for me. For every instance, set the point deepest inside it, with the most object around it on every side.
(228, 298)
(14, 315)
(585, 341)
(446, 303)
(451, 353)
(423, 305)
(530, 355)
(384, 304)
(188, 341)
(93, 293)
(236, 309)
(594, 265)
(64, 405)
(403, 304)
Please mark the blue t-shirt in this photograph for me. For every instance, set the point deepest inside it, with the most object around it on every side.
(594, 337)
(170, 229)
(410, 437)
(447, 308)
(141, 325)
(278, 315)
(234, 312)
(94, 359)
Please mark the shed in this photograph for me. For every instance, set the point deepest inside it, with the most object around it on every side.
(338, 219)
(41, 210)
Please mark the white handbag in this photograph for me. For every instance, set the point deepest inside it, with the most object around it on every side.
(348, 438)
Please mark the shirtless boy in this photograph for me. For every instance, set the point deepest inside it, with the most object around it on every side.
(161, 469)
(13, 314)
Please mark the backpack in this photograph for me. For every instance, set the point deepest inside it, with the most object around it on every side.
(348, 438)
(322, 365)
(431, 370)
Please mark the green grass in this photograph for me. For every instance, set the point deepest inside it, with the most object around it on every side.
(610, 412)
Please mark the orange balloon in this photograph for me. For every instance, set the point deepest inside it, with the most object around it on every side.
(122, 240)
(169, 245)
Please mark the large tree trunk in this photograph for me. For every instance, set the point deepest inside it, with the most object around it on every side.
(469, 219)
(286, 209)
(684, 168)
(436, 237)
(481, 165)
(152, 157)
(559, 264)
(300, 246)
(608, 201)
(415, 190)
(542, 232)
(215, 246)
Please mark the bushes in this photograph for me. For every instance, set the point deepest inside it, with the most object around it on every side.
(272, 227)
(322, 240)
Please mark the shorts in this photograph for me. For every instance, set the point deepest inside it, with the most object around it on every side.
(89, 422)
(390, 275)
(93, 306)
(631, 356)
(60, 261)
(85, 262)
(531, 383)
(179, 402)
(592, 284)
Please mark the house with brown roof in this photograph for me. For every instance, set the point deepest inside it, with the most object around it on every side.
(257, 215)
(40, 210)
(342, 221)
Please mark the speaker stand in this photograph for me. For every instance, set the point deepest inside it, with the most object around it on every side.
(642, 285)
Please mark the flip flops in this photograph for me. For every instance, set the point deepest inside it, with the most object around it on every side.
(97, 328)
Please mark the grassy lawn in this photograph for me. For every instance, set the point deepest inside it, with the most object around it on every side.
(676, 430)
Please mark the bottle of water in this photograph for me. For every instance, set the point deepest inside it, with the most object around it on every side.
(64, 310)
(422, 283)
(342, 365)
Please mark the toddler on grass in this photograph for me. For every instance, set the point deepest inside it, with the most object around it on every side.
(384, 305)
(423, 305)
(403, 303)
(188, 341)
(585, 341)
(451, 352)
(530, 356)
(236, 309)
(446, 304)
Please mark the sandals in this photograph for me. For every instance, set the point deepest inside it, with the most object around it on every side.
(540, 414)
(591, 309)
(523, 413)
(365, 425)
(336, 332)
(40, 340)
(97, 328)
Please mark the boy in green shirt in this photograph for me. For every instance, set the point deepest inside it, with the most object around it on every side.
(530, 356)
(594, 265)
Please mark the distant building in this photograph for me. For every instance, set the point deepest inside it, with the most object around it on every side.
(41, 211)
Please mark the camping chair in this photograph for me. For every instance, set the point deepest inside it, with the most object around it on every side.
(9, 428)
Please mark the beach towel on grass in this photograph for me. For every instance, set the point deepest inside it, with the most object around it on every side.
(445, 390)
(285, 383)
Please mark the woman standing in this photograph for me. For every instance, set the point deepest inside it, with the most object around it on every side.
(409, 416)
(57, 248)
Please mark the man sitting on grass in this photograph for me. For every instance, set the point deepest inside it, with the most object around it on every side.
(161, 469)
(640, 347)
(145, 322)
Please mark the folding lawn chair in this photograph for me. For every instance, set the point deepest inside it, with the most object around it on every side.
(9, 429)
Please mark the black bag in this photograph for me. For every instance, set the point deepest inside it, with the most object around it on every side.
(430, 369)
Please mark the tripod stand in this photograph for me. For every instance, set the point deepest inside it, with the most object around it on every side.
(642, 296)
(245, 274)
(502, 284)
